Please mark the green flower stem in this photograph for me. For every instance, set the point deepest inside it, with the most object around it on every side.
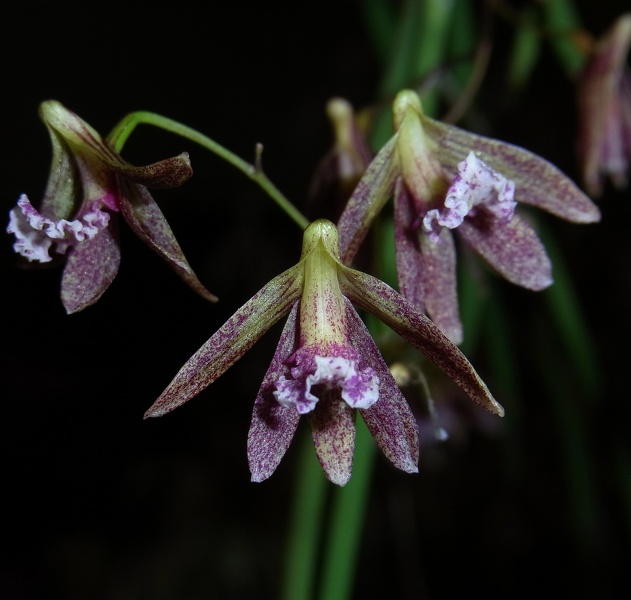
(347, 520)
(305, 525)
(123, 130)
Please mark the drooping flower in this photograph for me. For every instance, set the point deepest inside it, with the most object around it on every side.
(604, 102)
(89, 185)
(326, 365)
(446, 179)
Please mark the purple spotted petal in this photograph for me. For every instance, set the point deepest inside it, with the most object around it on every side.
(333, 431)
(371, 194)
(90, 268)
(60, 197)
(426, 269)
(537, 182)
(409, 260)
(147, 221)
(440, 283)
(389, 420)
(232, 340)
(513, 249)
(411, 324)
(273, 425)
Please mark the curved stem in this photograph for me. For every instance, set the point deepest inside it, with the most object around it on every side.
(119, 135)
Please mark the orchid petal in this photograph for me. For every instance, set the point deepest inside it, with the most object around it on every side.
(389, 420)
(411, 324)
(231, 341)
(513, 249)
(537, 182)
(61, 189)
(426, 269)
(273, 425)
(333, 431)
(168, 173)
(147, 221)
(90, 269)
(371, 194)
(440, 283)
(409, 261)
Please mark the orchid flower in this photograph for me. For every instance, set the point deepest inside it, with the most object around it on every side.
(444, 178)
(604, 99)
(326, 365)
(89, 184)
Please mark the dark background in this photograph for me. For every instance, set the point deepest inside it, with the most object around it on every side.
(99, 504)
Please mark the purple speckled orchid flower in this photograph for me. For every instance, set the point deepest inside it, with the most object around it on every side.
(445, 179)
(89, 184)
(604, 102)
(326, 365)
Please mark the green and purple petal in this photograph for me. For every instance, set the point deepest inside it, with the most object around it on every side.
(273, 425)
(83, 139)
(333, 431)
(90, 268)
(412, 325)
(389, 420)
(232, 340)
(147, 221)
(371, 194)
(60, 197)
(512, 248)
(426, 269)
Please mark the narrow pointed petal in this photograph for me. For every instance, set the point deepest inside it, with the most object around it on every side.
(167, 173)
(426, 269)
(90, 269)
(333, 430)
(145, 218)
(389, 420)
(439, 275)
(231, 341)
(411, 324)
(273, 425)
(371, 194)
(409, 261)
(537, 182)
(513, 249)
(59, 197)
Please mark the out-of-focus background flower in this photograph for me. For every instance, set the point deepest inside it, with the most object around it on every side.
(99, 504)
